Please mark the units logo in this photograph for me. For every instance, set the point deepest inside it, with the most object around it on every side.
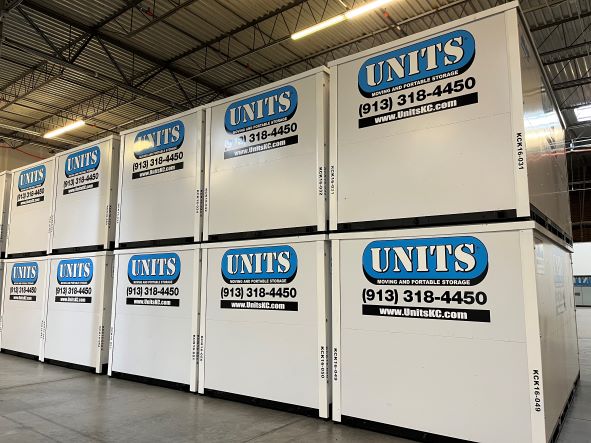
(32, 178)
(159, 139)
(84, 161)
(75, 271)
(162, 269)
(266, 264)
(263, 109)
(426, 261)
(583, 281)
(24, 273)
(440, 57)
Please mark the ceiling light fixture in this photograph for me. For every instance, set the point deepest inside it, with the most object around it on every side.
(351, 14)
(64, 129)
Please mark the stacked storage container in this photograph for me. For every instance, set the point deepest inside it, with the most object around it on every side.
(5, 184)
(582, 273)
(25, 271)
(154, 325)
(432, 137)
(5, 188)
(264, 300)
(78, 306)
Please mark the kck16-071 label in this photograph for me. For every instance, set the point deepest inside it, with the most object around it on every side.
(418, 79)
(259, 278)
(154, 279)
(428, 278)
(157, 150)
(261, 122)
(81, 171)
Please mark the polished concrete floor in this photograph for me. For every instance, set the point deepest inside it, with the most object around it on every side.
(45, 403)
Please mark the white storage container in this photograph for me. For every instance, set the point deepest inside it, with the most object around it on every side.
(454, 124)
(31, 206)
(266, 156)
(582, 273)
(154, 322)
(86, 192)
(265, 309)
(438, 331)
(22, 312)
(160, 182)
(78, 313)
(5, 184)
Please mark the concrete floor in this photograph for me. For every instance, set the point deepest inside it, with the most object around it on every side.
(45, 403)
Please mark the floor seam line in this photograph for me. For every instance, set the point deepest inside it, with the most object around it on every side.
(274, 430)
(67, 427)
(42, 382)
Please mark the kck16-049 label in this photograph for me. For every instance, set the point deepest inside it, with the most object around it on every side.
(259, 278)
(153, 280)
(82, 171)
(30, 185)
(23, 279)
(73, 278)
(261, 122)
(157, 150)
(424, 277)
(418, 79)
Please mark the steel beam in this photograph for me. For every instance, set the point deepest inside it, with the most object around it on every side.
(572, 83)
(89, 72)
(46, 10)
(560, 22)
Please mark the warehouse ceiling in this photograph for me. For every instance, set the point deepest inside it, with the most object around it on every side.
(120, 63)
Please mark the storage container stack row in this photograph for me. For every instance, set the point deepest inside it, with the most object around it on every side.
(265, 275)
(57, 307)
(451, 237)
(25, 269)
(423, 255)
(155, 319)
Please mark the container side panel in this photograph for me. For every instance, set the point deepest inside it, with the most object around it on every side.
(31, 208)
(5, 183)
(154, 304)
(560, 360)
(262, 310)
(582, 259)
(160, 176)
(83, 193)
(423, 332)
(544, 141)
(264, 155)
(24, 297)
(427, 137)
(74, 309)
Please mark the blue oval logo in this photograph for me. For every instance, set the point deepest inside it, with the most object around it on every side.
(75, 271)
(260, 265)
(25, 273)
(449, 261)
(159, 139)
(434, 59)
(81, 162)
(32, 178)
(583, 281)
(267, 108)
(163, 268)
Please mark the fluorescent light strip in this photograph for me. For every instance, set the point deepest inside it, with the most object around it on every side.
(351, 14)
(365, 8)
(318, 27)
(67, 128)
